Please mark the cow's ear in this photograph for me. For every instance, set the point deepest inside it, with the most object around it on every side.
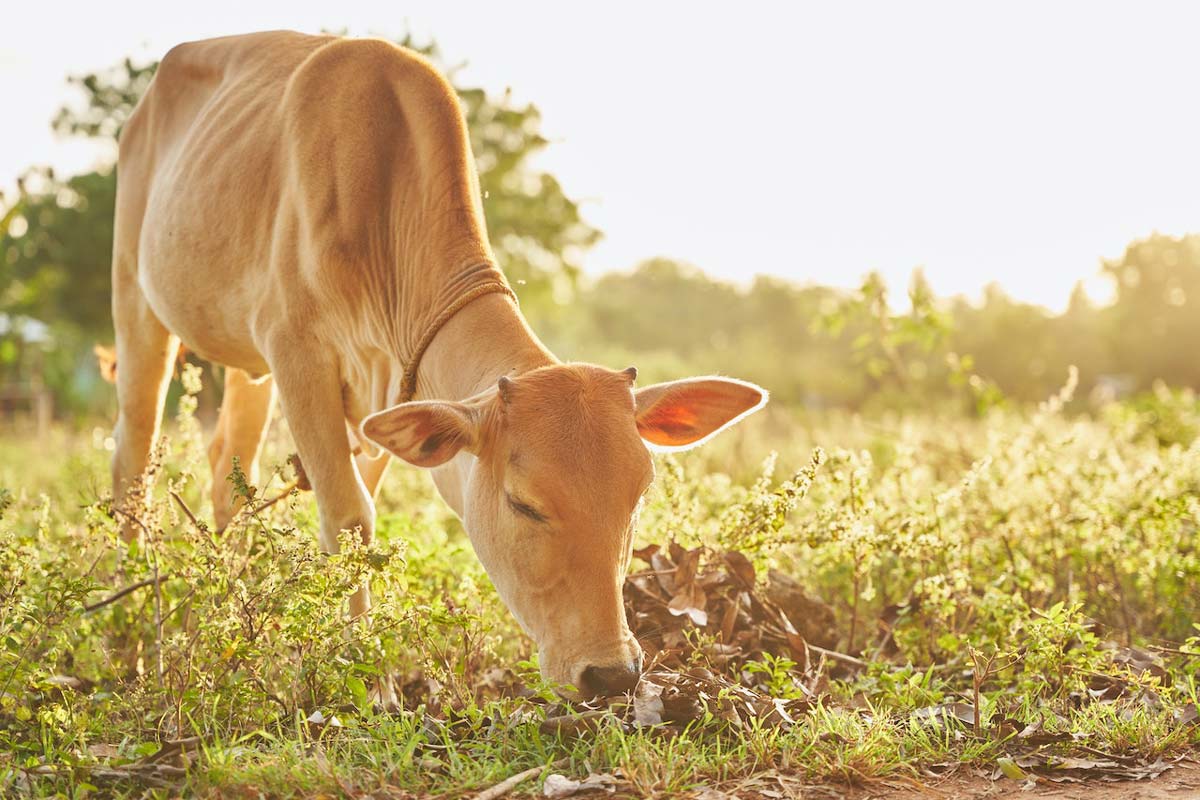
(683, 414)
(424, 433)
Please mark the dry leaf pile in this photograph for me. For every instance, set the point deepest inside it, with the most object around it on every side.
(666, 697)
(1064, 757)
(683, 591)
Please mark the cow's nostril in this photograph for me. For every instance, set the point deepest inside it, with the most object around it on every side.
(612, 680)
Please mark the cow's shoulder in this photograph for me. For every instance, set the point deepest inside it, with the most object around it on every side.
(360, 69)
(362, 119)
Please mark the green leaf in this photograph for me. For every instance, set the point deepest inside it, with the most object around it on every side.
(358, 690)
(1011, 770)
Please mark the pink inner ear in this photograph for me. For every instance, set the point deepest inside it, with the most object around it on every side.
(687, 412)
(678, 423)
(423, 434)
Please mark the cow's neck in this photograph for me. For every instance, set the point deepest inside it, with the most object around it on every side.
(484, 340)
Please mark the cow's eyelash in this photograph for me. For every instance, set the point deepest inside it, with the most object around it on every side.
(524, 509)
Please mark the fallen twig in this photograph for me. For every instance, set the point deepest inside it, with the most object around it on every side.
(1175, 651)
(508, 784)
(836, 656)
(127, 590)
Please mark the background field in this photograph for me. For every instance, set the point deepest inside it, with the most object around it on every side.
(963, 538)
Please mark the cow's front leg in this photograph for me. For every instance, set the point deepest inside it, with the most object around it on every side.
(310, 393)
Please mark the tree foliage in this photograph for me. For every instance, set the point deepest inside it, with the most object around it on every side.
(57, 248)
(1156, 323)
(56, 238)
(110, 96)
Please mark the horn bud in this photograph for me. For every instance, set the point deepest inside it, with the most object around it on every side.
(505, 385)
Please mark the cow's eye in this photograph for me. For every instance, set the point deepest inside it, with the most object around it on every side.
(524, 509)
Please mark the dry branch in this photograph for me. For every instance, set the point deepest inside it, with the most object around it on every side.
(507, 785)
(112, 598)
(287, 490)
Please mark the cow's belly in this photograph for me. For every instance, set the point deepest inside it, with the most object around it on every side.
(210, 228)
(207, 324)
(207, 295)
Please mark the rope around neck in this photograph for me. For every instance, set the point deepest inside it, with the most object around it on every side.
(408, 383)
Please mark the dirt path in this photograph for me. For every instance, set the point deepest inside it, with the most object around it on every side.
(1182, 782)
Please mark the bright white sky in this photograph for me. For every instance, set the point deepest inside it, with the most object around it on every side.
(1012, 142)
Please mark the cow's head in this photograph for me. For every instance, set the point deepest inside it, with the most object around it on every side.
(552, 496)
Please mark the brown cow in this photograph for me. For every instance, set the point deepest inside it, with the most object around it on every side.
(305, 210)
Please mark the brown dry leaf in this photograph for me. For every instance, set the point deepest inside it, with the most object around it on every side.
(664, 569)
(664, 697)
(693, 588)
(1064, 768)
(688, 564)
(1032, 734)
(720, 654)
(729, 621)
(1140, 661)
(574, 724)
(676, 550)
(740, 568)
(691, 601)
(647, 703)
(814, 620)
(644, 553)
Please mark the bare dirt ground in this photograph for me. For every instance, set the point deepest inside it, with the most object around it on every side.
(1181, 782)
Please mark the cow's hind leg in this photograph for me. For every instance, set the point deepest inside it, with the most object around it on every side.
(145, 353)
(241, 428)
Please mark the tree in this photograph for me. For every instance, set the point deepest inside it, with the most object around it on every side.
(56, 238)
(1156, 325)
(57, 249)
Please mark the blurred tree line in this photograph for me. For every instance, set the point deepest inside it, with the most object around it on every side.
(811, 345)
(819, 347)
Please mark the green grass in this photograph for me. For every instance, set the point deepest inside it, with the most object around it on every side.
(1037, 557)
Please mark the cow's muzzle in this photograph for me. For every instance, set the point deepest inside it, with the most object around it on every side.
(611, 680)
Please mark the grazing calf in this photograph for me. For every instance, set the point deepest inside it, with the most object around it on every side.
(305, 210)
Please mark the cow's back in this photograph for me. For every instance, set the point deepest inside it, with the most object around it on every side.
(261, 175)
